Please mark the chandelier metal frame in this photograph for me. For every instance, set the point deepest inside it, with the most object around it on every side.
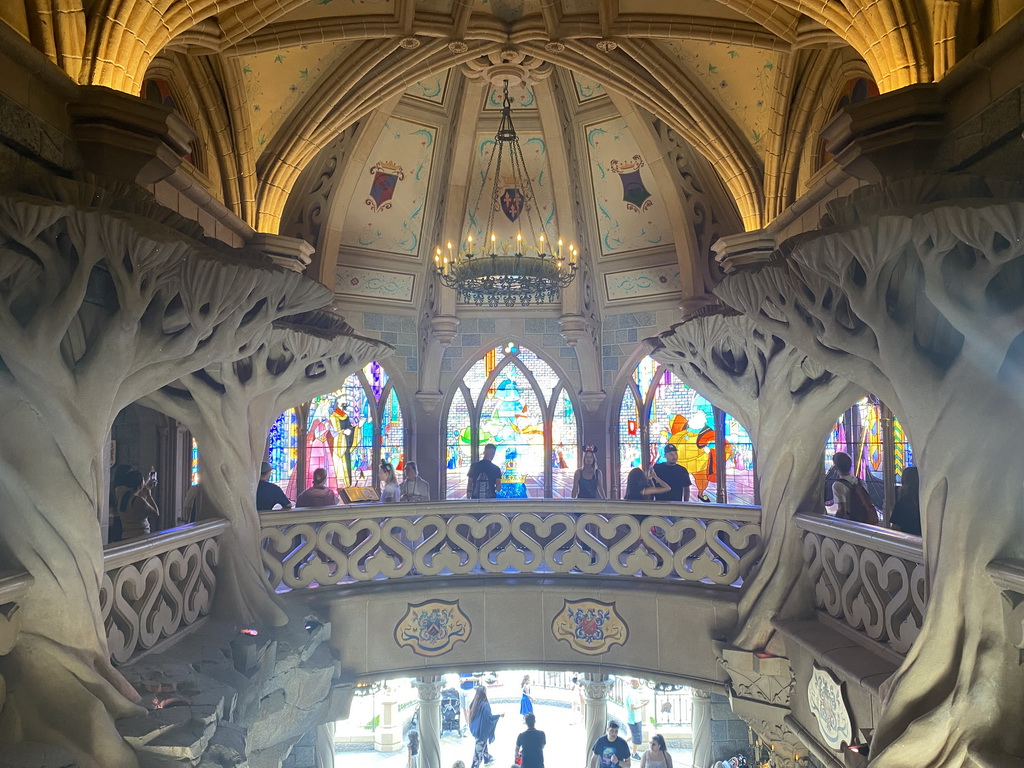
(508, 274)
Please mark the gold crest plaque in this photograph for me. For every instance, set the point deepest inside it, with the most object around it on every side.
(433, 628)
(589, 626)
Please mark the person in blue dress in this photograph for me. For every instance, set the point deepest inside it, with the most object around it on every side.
(526, 704)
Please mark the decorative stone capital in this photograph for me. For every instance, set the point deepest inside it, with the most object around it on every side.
(760, 677)
(443, 329)
(574, 328)
(597, 690)
(289, 252)
(592, 400)
(890, 134)
(743, 249)
(429, 690)
(429, 400)
(126, 137)
(692, 305)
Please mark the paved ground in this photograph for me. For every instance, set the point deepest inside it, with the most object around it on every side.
(566, 746)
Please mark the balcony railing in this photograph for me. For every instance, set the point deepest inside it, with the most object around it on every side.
(339, 545)
(869, 578)
(157, 585)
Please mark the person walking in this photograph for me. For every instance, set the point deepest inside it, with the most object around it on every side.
(610, 749)
(675, 474)
(657, 756)
(636, 702)
(530, 744)
(588, 482)
(481, 725)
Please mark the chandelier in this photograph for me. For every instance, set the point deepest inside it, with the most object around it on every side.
(528, 269)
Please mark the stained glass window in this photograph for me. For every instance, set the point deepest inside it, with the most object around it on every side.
(392, 432)
(458, 445)
(284, 449)
(376, 378)
(194, 463)
(677, 414)
(506, 400)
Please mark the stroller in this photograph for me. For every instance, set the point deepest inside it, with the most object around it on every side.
(451, 712)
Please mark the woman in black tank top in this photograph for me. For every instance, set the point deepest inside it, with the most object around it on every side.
(588, 482)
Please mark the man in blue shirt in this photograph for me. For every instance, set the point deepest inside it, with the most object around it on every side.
(268, 494)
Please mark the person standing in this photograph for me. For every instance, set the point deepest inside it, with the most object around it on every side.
(906, 515)
(610, 749)
(657, 756)
(640, 486)
(675, 474)
(481, 725)
(530, 744)
(467, 682)
(526, 702)
(136, 506)
(268, 494)
(414, 487)
(391, 494)
(844, 488)
(636, 702)
(588, 482)
(318, 494)
(484, 476)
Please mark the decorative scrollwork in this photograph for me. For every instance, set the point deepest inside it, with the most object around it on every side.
(338, 550)
(880, 594)
(146, 600)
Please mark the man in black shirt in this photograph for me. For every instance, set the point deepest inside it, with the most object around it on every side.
(610, 750)
(484, 477)
(269, 494)
(530, 744)
(675, 474)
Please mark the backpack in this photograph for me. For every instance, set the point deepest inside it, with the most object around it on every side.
(859, 507)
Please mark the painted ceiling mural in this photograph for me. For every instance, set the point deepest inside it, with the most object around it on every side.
(535, 156)
(275, 82)
(318, 9)
(432, 89)
(587, 89)
(740, 77)
(386, 211)
(630, 213)
(522, 96)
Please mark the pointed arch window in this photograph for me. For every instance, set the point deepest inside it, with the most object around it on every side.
(346, 431)
(658, 408)
(515, 399)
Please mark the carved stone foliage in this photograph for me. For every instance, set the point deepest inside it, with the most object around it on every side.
(913, 291)
(168, 584)
(765, 679)
(335, 548)
(874, 586)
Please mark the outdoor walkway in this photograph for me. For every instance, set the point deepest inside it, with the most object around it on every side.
(566, 747)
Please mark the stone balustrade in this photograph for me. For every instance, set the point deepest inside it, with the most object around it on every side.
(154, 586)
(869, 578)
(713, 544)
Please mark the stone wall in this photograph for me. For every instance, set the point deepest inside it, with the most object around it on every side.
(729, 734)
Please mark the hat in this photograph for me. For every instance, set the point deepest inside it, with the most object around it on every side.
(590, 448)
(265, 467)
(671, 448)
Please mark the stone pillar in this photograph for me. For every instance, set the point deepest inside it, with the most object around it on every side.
(388, 736)
(701, 729)
(595, 709)
(429, 689)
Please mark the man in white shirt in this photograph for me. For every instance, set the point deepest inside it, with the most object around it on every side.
(414, 487)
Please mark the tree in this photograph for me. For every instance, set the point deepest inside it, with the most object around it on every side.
(230, 407)
(786, 402)
(916, 290)
(102, 301)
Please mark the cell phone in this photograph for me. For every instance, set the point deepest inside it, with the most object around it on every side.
(152, 479)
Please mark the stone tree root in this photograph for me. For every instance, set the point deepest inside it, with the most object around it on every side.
(65, 697)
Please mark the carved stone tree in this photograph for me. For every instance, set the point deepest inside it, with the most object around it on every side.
(230, 408)
(786, 402)
(101, 302)
(918, 287)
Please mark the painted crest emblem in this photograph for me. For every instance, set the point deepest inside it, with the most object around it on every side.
(386, 176)
(634, 193)
(825, 698)
(589, 626)
(433, 628)
(512, 200)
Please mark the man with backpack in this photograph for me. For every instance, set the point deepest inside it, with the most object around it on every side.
(851, 495)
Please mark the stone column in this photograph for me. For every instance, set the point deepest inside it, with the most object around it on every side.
(701, 729)
(595, 709)
(388, 735)
(429, 689)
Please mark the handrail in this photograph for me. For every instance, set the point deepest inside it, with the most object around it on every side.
(870, 578)
(708, 543)
(157, 585)
(14, 585)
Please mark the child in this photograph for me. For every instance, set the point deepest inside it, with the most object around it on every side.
(414, 749)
